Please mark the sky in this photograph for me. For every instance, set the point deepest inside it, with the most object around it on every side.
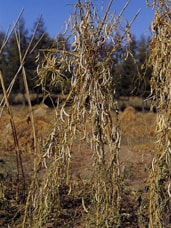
(56, 12)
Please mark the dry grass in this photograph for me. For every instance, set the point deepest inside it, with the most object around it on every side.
(128, 114)
(138, 125)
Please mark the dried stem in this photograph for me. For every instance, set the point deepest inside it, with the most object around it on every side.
(20, 169)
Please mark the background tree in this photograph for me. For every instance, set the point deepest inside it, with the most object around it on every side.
(40, 40)
(144, 70)
(131, 73)
(127, 70)
(12, 56)
(2, 36)
(63, 85)
(3, 62)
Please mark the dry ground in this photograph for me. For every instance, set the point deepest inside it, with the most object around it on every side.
(136, 153)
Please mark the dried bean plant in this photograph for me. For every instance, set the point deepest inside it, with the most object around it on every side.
(160, 52)
(87, 119)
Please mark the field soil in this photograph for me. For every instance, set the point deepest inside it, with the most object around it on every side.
(136, 154)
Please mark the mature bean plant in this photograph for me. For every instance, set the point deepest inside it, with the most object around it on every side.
(88, 114)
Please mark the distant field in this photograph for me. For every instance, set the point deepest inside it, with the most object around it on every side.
(140, 104)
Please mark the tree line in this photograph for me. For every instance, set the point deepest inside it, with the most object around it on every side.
(131, 73)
